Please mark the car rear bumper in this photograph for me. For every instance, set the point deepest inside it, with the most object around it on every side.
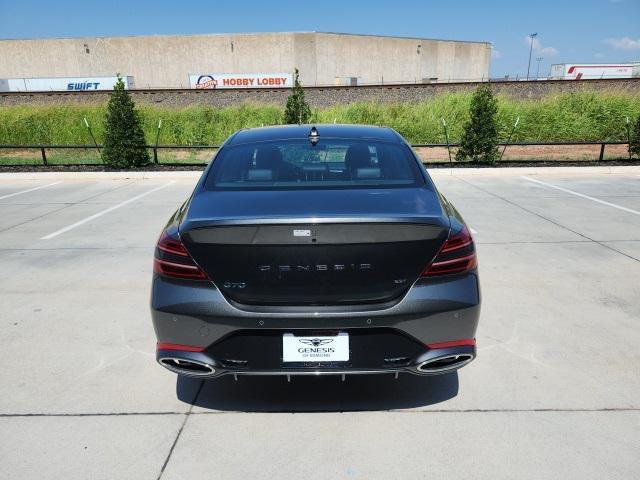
(204, 329)
(207, 366)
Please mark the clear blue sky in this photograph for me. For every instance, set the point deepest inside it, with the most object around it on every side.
(569, 31)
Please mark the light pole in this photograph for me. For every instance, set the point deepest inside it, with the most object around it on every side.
(531, 37)
(538, 59)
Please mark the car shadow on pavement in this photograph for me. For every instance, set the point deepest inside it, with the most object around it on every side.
(317, 394)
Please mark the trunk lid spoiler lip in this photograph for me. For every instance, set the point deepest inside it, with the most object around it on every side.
(410, 205)
(197, 223)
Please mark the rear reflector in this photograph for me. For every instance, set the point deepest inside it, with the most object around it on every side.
(173, 260)
(457, 255)
(470, 342)
(182, 348)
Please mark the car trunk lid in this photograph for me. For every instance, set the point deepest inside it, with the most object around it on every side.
(295, 249)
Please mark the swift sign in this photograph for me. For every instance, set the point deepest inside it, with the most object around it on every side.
(61, 84)
(241, 80)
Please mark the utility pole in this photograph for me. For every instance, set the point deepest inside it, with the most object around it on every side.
(531, 38)
(538, 59)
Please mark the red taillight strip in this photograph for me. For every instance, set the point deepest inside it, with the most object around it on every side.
(178, 270)
(194, 268)
(174, 346)
(170, 245)
(467, 342)
(173, 260)
(456, 244)
(471, 256)
(456, 265)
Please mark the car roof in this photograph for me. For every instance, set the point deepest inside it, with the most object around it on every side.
(293, 132)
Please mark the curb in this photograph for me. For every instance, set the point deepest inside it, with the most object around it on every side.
(435, 172)
(505, 171)
(99, 175)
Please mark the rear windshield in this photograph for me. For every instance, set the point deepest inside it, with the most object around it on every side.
(327, 164)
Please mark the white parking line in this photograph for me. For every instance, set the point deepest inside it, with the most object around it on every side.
(582, 195)
(104, 212)
(28, 190)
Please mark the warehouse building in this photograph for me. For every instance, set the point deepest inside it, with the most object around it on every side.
(256, 60)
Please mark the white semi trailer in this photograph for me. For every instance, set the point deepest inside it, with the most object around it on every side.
(586, 71)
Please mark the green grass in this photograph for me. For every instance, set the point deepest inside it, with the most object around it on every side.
(580, 116)
(584, 116)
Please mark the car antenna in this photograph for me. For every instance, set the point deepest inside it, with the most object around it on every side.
(314, 136)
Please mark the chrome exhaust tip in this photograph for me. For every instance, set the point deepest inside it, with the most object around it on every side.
(191, 368)
(445, 363)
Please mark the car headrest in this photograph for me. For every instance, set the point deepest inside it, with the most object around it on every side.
(260, 175)
(357, 156)
(322, 167)
(369, 173)
(268, 157)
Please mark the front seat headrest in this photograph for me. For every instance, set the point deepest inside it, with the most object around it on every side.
(357, 156)
(268, 157)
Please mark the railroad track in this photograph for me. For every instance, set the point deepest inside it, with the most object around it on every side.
(390, 86)
(320, 96)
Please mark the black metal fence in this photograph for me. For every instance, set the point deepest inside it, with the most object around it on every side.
(199, 155)
(18, 155)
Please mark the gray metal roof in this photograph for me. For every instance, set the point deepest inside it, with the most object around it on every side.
(250, 34)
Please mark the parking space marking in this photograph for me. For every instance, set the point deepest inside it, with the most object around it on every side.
(582, 195)
(104, 212)
(532, 212)
(29, 190)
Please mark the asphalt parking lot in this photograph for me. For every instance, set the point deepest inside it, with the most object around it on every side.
(554, 392)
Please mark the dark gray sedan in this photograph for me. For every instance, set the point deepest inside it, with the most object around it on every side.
(315, 250)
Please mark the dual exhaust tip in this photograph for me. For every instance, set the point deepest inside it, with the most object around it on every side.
(446, 357)
(192, 368)
(444, 364)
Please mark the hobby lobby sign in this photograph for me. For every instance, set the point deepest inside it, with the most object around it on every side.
(241, 80)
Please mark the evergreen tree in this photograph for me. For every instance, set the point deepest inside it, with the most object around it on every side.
(124, 139)
(634, 139)
(480, 136)
(297, 110)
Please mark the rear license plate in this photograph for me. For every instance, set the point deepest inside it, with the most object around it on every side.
(333, 348)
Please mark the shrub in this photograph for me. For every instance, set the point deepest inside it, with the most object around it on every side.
(124, 142)
(480, 135)
(634, 139)
(297, 110)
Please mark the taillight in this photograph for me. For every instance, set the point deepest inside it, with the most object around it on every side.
(457, 255)
(173, 260)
